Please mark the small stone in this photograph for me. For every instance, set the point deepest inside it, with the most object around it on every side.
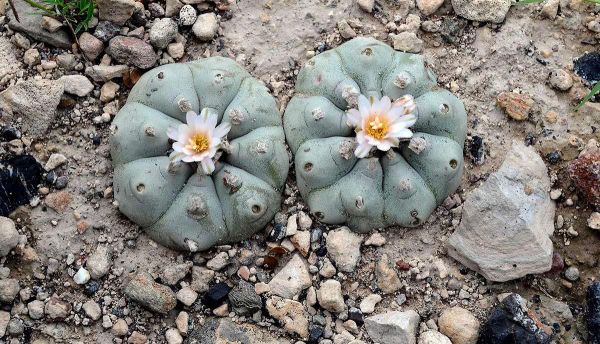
(367, 305)
(330, 296)
(216, 295)
(162, 32)
(15, 327)
(584, 172)
(156, 10)
(77, 84)
(572, 274)
(187, 15)
(593, 222)
(428, 7)
(560, 80)
(376, 239)
(291, 227)
(91, 46)
(182, 322)
(154, 296)
(482, 10)
(366, 5)
(345, 29)
(55, 160)
(201, 278)
(82, 276)
(176, 50)
(172, 274)
(291, 279)
(222, 310)
(387, 278)
(137, 338)
(172, 7)
(407, 42)
(173, 337)
(4, 319)
(9, 237)
(92, 310)
(327, 270)
(301, 241)
(105, 30)
(433, 337)
(291, 314)
(116, 11)
(516, 105)
(108, 92)
(304, 221)
(9, 288)
(261, 288)
(32, 57)
(132, 51)
(50, 24)
(555, 194)
(206, 26)
(393, 327)
(57, 309)
(187, 296)
(343, 246)
(244, 299)
(101, 73)
(459, 325)
(218, 262)
(120, 328)
(550, 9)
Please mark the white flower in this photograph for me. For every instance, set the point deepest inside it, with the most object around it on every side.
(381, 123)
(198, 140)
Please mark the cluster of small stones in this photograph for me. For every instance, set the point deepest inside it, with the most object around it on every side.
(331, 285)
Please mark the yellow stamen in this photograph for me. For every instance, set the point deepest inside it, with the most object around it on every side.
(198, 143)
(378, 126)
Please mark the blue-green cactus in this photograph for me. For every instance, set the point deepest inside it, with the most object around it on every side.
(176, 206)
(404, 185)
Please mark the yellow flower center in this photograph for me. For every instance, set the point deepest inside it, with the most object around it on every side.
(378, 126)
(198, 143)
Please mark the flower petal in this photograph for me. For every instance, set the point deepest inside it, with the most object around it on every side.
(211, 120)
(385, 104)
(173, 133)
(364, 106)
(208, 165)
(178, 147)
(362, 150)
(354, 118)
(401, 133)
(384, 145)
(190, 117)
(221, 131)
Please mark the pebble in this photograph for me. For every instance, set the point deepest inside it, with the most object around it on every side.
(218, 262)
(291, 314)
(327, 269)
(291, 279)
(154, 296)
(387, 278)
(9, 237)
(108, 91)
(21, 41)
(330, 296)
(366, 5)
(137, 338)
(216, 295)
(187, 296)
(176, 50)
(90, 45)
(105, 30)
(482, 10)
(92, 310)
(132, 51)
(120, 328)
(4, 319)
(162, 32)
(9, 288)
(187, 15)
(206, 26)
(572, 274)
(560, 80)
(244, 299)
(433, 337)
(593, 221)
(201, 278)
(428, 7)
(460, 325)
(173, 337)
(343, 247)
(182, 322)
(222, 310)
(57, 309)
(304, 221)
(376, 239)
(36, 309)
(76, 84)
(55, 160)
(99, 262)
(393, 327)
(50, 24)
(516, 105)
(301, 241)
(291, 227)
(550, 9)
(172, 274)
(32, 57)
(367, 305)
(346, 31)
(82, 276)
(407, 42)
(261, 288)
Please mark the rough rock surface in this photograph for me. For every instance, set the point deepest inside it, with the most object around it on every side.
(31, 24)
(116, 11)
(585, 172)
(99, 262)
(433, 337)
(78, 85)
(393, 327)
(291, 279)
(459, 325)
(34, 101)
(132, 51)
(507, 221)
(9, 237)
(482, 10)
(343, 246)
(291, 314)
(215, 331)
(152, 295)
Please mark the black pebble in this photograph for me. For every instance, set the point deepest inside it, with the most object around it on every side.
(477, 150)
(277, 233)
(314, 333)
(356, 315)
(588, 67)
(91, 288)
(593, 313)
(61, 182)
(96, 140)
(553, 157)
(9, 134)
(19, 180)
(216, 295)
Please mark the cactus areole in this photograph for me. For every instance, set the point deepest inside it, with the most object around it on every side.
(199, 154)
(377, 143)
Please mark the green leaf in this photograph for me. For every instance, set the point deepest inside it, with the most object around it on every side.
(526, 2)
(589, 96)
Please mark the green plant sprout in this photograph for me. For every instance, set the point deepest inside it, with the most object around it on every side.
(526, 2)
(76, 14)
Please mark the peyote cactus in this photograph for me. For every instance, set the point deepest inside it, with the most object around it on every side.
(401, 186)
(177, 204)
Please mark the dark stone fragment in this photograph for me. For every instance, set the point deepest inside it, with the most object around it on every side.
(529, 140)
(9, 134)
(244, 300)
(277, 233)
(553, 157)
(106, 30)
(96, 140)
(61, 182)
(314, 333)
(356, 315)
(19, 180)
(29, 23)
(585, 173)
(321, 251)
(216, 295)
(588, 67)
(477, 150)
(138, 19)
(452, 29)
(593, 313)
(51, 177)
(509, 323)
(91, 288)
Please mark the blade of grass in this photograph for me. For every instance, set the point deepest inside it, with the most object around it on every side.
(595, 90)
(526, 2)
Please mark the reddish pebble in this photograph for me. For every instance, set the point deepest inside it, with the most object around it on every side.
(585, 172)
(558, 264)
(402, 265)
(244, 273)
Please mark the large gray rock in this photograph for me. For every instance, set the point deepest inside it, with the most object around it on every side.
(132, 51)
(34, 101)
(507, 221)
(9, 237)
(9, 62)
(393, 327)
(223, 330)
(162, 32)
(116, 11)
(31, 24)
(343, 247)
(482, 10)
